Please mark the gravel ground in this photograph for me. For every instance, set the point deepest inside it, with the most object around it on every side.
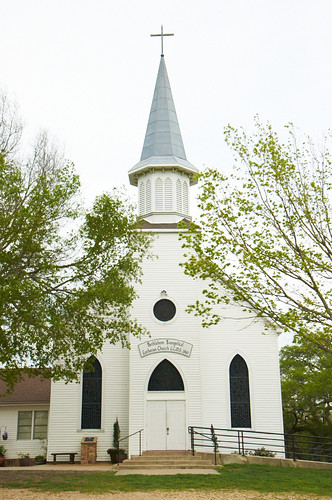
(12, 494)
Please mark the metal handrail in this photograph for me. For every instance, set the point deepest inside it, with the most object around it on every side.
(139, 442)
(298, 447)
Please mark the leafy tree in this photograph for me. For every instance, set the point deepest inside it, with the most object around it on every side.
(306, 384)
(66, 275)
(264, 238)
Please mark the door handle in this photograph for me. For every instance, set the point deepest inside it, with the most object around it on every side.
(167, 431)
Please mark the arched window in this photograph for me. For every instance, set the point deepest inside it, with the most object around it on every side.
(168, 195)
(178, 196)
(165, 377)
(185, 198)
(91, 397)
(148, 196)
(159, 195)
(239, 393)
(142, 199)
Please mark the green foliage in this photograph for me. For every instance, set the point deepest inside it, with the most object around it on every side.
(116, 433)
(2, 449)
(262, 452)
(306, 384)
(264, 239)
(67, 274)
(214, 439)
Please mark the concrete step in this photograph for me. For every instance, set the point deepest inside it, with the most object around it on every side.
(178, 453)
(196, 463)
(157, 458)
(163, 466)
(166, 460)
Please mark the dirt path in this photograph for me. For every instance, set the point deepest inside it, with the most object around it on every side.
(11, 494)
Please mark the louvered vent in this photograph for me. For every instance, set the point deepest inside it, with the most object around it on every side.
(159, 195)
(185, 198)
(142, 198)
(168, 195)
(148, 196)
(178, 196)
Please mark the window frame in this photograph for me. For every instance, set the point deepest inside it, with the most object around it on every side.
(245, 404)
(85, 404)
(33, 425)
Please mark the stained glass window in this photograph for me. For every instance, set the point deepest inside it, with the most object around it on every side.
(239, 393)
(165, 377)
(164, 310)
(91, 397)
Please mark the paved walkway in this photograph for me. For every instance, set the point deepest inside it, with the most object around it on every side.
(104, 467)
(164, 472)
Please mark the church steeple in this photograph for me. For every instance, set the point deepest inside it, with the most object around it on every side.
(163, 136)
(163, 175)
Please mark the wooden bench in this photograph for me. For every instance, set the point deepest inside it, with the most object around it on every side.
(71, 456)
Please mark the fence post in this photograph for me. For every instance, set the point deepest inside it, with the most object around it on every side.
(238, 442)
(242, 442)
(192, 440)
(215, 444)
(140, 443)
(293, 445)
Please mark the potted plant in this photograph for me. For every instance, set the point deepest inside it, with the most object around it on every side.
(117, 454)
(5, 436)
(24, 459)
(40, 459)
(2, 455)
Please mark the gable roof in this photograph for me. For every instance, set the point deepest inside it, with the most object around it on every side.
(29, 390)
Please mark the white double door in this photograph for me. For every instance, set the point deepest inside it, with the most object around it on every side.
(166, 425)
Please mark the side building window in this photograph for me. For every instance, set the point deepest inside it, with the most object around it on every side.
(32, 424)
(91, 397)
(239, 393)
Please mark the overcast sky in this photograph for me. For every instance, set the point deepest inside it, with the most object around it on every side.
(85, 71)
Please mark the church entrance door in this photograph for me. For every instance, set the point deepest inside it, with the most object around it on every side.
(166, 425)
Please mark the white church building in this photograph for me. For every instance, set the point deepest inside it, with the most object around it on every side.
(183, 374)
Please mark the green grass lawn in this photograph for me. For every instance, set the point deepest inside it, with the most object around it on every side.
(262, 478)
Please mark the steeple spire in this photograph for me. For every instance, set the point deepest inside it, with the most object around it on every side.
(163, 145)
(163, 136)
(163, 175)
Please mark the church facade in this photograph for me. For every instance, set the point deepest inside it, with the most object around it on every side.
(182, 374)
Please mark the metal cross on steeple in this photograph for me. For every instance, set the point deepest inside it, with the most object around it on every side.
(162, 34)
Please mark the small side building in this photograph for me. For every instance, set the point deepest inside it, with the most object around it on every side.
(24, 416)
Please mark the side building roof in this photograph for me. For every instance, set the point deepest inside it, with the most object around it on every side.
(29, 390)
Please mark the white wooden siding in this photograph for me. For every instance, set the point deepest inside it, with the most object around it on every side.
(9, 418)
(205, 373)
(65, 431)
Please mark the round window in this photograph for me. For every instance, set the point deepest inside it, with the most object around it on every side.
(164, 310)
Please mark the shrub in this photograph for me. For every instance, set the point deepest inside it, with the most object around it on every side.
(262, 452)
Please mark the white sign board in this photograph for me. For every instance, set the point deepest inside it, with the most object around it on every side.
(156, 346)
